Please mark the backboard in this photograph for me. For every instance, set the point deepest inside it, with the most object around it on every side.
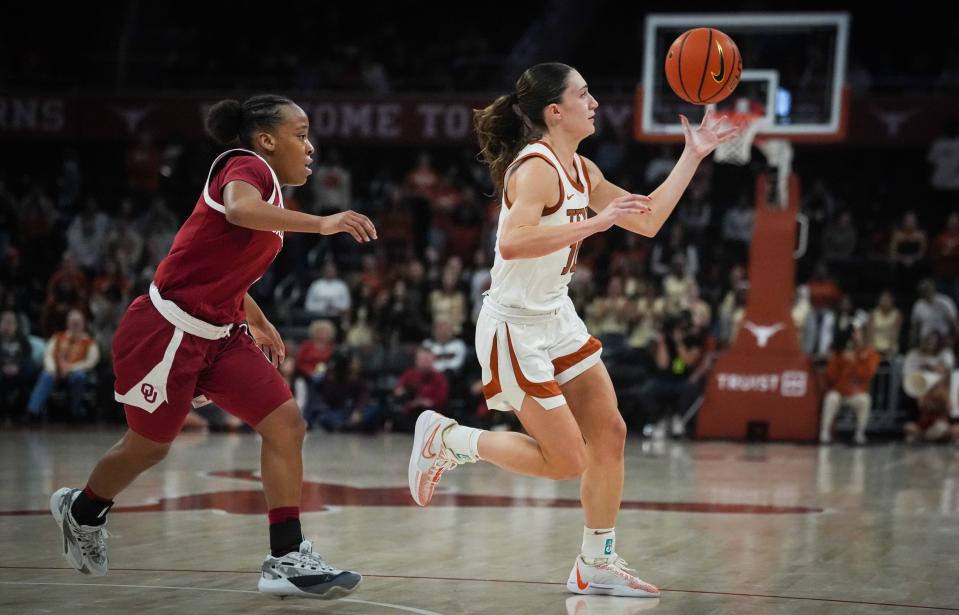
(794, 67)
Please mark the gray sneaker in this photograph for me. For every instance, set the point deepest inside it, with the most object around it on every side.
(304, 573)
(84, 546)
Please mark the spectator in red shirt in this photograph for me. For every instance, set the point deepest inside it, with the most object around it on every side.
(419, 388)
(316, 351)
(851, 367)
(311, 360)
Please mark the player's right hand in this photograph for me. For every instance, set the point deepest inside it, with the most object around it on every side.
(620, 207)
(357, 225)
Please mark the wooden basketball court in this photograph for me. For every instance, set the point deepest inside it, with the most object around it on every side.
(720, 527)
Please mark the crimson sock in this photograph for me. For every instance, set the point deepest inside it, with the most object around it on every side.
(285, 532)
(90, 509)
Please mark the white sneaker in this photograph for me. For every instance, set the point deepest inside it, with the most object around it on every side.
(430, 457)
(84, 546)
(307, 574)
(611, 577)
(860, 439)
(825, 438)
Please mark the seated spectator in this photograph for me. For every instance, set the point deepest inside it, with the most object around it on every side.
(342, 401)
(676, 287)
(610, 314)
(328, 297)
(67, 290)
(359, 331)
(885, 324)
(664, 253)
(683, 356)
(449, 351)
(926, 377)
(933, 313)
(312, 356)
(87, 235)
(646, 317)
(17, 370)
(449, 302)
(824, 295)
(907, 250)
(398, 316)
(699, 310)
(420, 388)
(70, 356)
(850, 369)
(839, 239)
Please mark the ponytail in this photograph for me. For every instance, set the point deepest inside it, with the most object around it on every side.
(511, 121)
(501, 133)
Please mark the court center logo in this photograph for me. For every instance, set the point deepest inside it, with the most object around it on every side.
(149, 393)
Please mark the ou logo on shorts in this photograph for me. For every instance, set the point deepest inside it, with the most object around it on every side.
(148, 392)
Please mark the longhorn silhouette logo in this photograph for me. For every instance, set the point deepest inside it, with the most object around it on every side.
(763, 332)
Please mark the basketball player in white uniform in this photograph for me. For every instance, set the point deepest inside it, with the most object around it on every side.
(538, 360)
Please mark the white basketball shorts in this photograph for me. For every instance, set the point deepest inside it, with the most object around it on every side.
(531, 353)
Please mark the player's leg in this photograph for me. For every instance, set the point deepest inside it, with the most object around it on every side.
(599, 569)
(81, 514)
(592, 401)
(553, 449)
(262, 399)
(281, 457)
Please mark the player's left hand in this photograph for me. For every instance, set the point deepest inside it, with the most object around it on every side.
(702, 140)
(268, 339)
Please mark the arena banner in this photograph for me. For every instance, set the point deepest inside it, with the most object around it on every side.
(764, 386)
(419, 119)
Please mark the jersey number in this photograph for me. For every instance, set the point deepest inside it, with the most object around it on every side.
(575, 215)
(571, 261)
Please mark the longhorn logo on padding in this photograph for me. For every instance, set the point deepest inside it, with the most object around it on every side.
(763, 333)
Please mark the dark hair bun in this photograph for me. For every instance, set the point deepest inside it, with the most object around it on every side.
(224, 120)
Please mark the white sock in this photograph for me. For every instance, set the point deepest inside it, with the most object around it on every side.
(463, 442)
(598, 543)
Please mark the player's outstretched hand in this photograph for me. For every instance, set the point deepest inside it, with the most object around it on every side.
(702, 140)
(357, 225)
(618, 208)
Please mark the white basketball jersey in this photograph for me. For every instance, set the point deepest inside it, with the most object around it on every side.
(540, 283)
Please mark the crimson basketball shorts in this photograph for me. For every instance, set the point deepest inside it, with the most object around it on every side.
(169, 368)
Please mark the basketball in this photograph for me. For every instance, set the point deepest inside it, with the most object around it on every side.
(703, 66)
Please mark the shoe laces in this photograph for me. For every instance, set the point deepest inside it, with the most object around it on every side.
(446, 460)
(305, 558)
(92, 541)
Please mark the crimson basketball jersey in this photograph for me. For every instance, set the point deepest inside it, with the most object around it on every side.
(212, 263)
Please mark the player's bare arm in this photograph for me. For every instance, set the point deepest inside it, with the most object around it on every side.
(534, 187)
(700, 142)
(264, 333)
(245, 207)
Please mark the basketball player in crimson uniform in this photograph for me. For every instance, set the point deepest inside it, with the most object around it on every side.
(198, 334)
(537, 357)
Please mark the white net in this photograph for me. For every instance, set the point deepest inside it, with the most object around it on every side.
(739, 150)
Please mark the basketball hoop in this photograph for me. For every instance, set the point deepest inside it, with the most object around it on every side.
(739, 150)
